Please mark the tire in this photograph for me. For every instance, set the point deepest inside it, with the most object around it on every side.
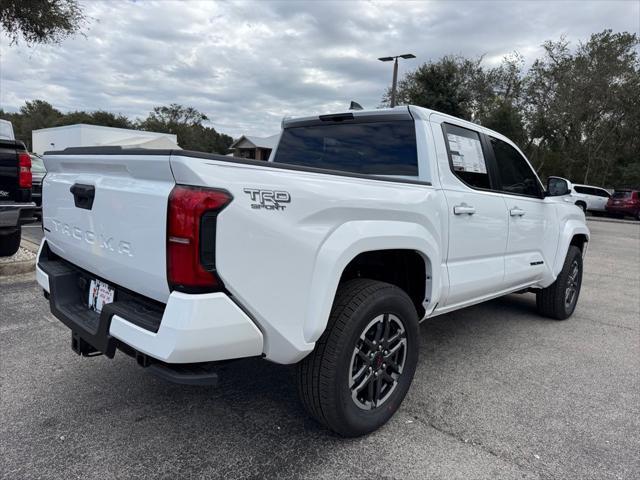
(553, 301)
(346, 354)
(9, 242)
(583, 206)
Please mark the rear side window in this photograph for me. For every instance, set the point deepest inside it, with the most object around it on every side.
(466, 156)
(377, 148)
(515, 174)
(597, 192)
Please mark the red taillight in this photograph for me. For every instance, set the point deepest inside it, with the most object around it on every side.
(191, 230)
(24, 170)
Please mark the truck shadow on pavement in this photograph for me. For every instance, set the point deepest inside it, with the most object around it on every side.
(251, 423)
(100, 415)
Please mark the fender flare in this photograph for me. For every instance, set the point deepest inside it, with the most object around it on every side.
(570, 229)
(353, 238)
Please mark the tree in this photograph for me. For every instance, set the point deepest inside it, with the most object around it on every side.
(463, 88)
(32, 116)
(40, 21)
(187, 124)
(99, 117)
(583, 108)
(504, 99)
(453, 85)
(575, 112)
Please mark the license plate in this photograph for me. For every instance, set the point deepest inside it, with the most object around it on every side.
(100, 294)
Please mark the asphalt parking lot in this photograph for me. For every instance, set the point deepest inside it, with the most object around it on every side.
(499, 393)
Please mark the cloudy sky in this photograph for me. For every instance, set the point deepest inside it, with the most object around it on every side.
(247, 64)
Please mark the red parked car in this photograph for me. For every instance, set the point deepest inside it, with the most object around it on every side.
(624, 202)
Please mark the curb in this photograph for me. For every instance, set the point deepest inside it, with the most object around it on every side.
(16, 268)
(23, 266)
(612, 220)
(29, 245)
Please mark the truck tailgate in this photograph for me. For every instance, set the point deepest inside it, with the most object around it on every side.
(120, 235)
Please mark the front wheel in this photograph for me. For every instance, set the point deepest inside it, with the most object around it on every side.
(363, 364)
(559, 299)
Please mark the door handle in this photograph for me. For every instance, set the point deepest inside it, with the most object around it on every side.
(516, 212)
(463, 209)
(83, 195)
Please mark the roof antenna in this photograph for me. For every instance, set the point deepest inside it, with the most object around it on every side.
(355, 106)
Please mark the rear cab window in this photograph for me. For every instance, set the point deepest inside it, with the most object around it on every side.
(386, 148)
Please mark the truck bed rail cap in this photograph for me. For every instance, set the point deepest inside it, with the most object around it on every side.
(109, 150)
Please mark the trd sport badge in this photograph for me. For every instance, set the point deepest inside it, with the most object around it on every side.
(268, 199)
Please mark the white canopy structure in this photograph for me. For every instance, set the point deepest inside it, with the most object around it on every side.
(83, 135)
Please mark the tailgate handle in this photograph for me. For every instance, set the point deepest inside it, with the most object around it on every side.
(83, 195)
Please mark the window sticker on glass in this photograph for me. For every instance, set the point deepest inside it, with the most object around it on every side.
(466, 154)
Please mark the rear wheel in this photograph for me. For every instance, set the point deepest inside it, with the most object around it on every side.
(9, 241)
(362, 366)
(559, 299)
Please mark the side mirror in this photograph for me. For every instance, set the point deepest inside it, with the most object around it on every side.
(557, 187)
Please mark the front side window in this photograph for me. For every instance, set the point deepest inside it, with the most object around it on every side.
(582, 190)
(376, 148)
(466, 156)
(515, 174)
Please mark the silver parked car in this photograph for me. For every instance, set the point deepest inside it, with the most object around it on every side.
(37, 174)
(590, 198)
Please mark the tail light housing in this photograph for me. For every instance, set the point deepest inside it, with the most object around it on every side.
(24, 170)
(191, 236)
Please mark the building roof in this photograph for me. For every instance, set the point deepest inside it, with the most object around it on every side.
(250, 141)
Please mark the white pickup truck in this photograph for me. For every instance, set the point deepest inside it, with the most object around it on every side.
(363, 225)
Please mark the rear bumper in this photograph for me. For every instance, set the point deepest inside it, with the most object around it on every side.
(15, 214)
(623, 210)
(188, 329)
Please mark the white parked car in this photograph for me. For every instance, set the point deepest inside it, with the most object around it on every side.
(590, 198)
(361, 225)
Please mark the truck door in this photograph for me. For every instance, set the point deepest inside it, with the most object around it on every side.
(533, 228)
(478, 219)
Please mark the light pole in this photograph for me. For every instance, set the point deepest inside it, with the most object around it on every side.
(395, 73)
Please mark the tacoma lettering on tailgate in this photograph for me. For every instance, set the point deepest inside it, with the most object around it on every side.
(103, 241)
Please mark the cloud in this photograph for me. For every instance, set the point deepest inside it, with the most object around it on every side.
(248, 64)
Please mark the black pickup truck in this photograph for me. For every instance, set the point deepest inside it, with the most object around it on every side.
(16, 206)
